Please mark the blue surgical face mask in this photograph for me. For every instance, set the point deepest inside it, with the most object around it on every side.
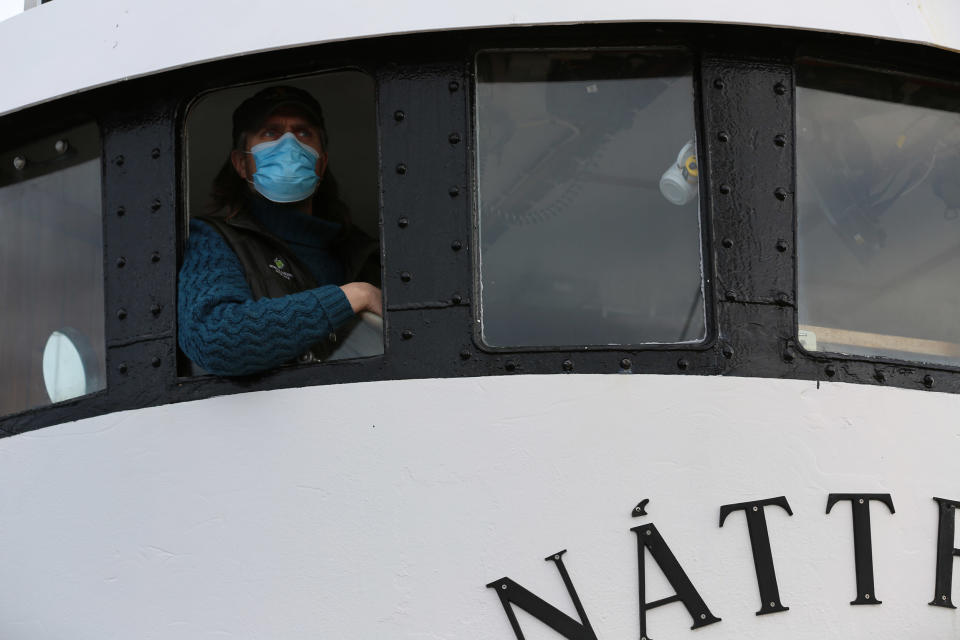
(286, 169)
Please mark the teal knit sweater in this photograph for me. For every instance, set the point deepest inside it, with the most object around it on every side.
(224, 330)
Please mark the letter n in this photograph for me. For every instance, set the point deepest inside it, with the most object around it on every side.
(512, 594)
(649, 539)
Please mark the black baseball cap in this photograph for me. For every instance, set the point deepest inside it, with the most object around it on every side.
(254, 110)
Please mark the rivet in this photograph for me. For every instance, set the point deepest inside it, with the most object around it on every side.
(122, 314)
(756, 508)
(19, 163)
(727, 351)
(780, 140)
(703, 616)
(401, 168)
(725, 189)
(456, 245)
(118, 161)
(510, 365)
(788, 356)
(730, 296)
(556, 557)
(718, 83)
(61, 146)
(121, 211)
(399, 115)
(155, 257)
(648, 532)
(773, 604)
(465, 355)
(683, 364)
(830, 370)
(453, 86)
(866, 596)
(454, 191)
(155, 153)
(121, 262)
(879, 377)
(860, 500)
(454, 138)
(943, 597)
(503, 586)
(727, 243)
(156, 309)
(568, 365)
(403, 223)
(155, 362)
(779, 89)
(405, 276)
(928, 381)
(155, 205)
(457, 298)
(783, 299)
(625, 363)
(406, 334)
(782, 246)
(780, 193)
(122, 367)
(723, 136)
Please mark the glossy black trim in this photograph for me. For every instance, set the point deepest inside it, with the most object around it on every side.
(745, 85)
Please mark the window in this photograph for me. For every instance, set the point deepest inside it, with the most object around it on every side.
(279, 242)
(588, 198)
(878, 164)
(51, 271)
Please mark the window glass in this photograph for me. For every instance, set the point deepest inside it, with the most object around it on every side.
(283, 201)
(878, 169)
(51, 271)
(588, 198)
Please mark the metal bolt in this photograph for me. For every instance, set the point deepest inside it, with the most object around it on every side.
(683, 364)
(928, 381)
(556, 557)
(503, 586)
(879, 377)
(568, 365)
(401, 169)
(780, 193)
(788, 356)
(399, 115)
(866, 596)
(453, 86)
(943, 597)
(457, 298)
(625, 363)
(756, 508)
(783, 299)
(773, 604)
(122, 314)
(454, 191)
(727, 351)
(465, 355)
(155, 362)
(730, 296)
(155, 153)
(860, 500)
(403, 223)
(780, 140)
(118, 161)
(121, 211)
(122, 367)
(782, 246)
(155, 205)
(723, 136)
(703, 616)
(121, 262)
(637, 509)
(648, 532)
(456, 245)
(830, 370)
(19, 163)
(156, 309)
(727, 243)
(779, 89)
(718, 83)
(405, 276)
(61, 146)
(155, 257)
(510, 365)
(406, 334)
(725, 189)
(454, 138)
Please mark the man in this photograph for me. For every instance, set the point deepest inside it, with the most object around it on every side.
(262, 281)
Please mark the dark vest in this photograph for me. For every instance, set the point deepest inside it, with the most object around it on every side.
(272, 270)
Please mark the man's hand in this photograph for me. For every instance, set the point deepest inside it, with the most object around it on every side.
(363, 296)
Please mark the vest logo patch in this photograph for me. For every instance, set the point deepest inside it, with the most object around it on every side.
(277, 266)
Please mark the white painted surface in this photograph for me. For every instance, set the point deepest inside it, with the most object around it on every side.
(71, 45)
(382, 510)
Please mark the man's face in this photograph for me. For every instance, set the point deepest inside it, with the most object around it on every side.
(283, 120)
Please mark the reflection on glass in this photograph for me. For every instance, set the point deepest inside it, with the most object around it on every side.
(51, 277)
(878, 169)
(587, 181)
